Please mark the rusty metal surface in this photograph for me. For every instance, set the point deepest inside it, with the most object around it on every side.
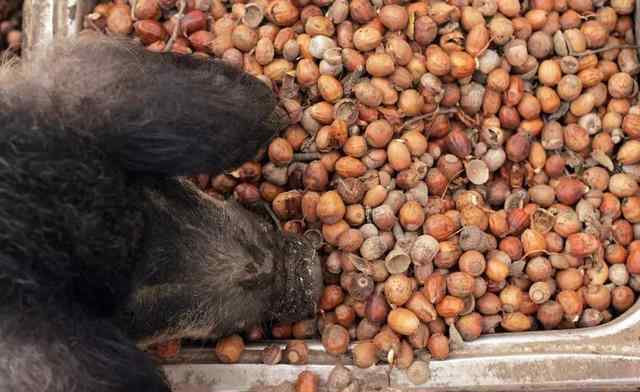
(604, 358)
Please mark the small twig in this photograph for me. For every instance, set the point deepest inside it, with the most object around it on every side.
(273, 216)
(446, 188)
(532, 252)
(605, 49)
(178, 26)
(306, 156)
(485, 47)
(465, 118)
(133, 4)
(455, 233)
(427, 116)
(416, 119)
(587, 16)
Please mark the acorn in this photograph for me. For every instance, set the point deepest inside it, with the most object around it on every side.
(472, 262)
(590, 318)
(629, 152)
(435, 288)
(516, 322)
(438, 61)
(350, 167)
(459, 144)
(403, 321)
(150, 31)
(350, 240)
(332, 296)
(533, 242)
(438, 346)
(540, 292)
(460, 284)
(439, 226)
(622, 298)
(287, 205)
(470, 326)
(477, 40)
(296, 352)
(516, 53)
(304, 329)
(633, 261)
(597, 296)
(450, 306)
(386, 341)
(420, 338)
(489, 304)
(462, 64)
(315, 176)
(421, 307)
(166, 350)
(623, 185)
(477, 171)
(377, 308)
(119, 19)
(307, 382)
(497, 270)
(570, 190)
(366, 329)
(280, 152)
(424, 250)
(330, 208)
(282, 12)
(335, 339)
(571, 302)
(361, 287)
(581, 244)
(271, 355)
(373, 248)
(397, 261)
(518, 147)
(398, 289)
(364, 354)
(550, 314)
(511, 298)
(569, 279)
(229, 349)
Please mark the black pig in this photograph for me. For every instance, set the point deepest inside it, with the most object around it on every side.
(102, 244)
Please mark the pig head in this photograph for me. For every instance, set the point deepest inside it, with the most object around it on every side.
(209, 268)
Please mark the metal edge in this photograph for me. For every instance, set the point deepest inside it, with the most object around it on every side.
(568, 372)
(600, 358)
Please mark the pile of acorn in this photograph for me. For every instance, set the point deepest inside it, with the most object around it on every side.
(466, 166)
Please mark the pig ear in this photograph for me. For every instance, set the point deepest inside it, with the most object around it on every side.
(159, 113)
